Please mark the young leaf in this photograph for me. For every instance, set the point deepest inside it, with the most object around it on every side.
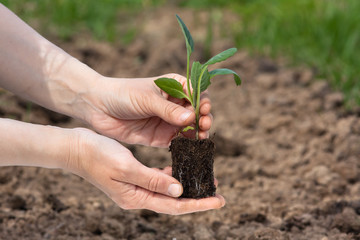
(196, 70)
(171, 87)
(205, 80)
(188, 39)
(188, 128)
(224, 71)
(221, 56)
(195, 74)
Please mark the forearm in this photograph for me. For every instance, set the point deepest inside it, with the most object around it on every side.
(25, 144)
(34, 68)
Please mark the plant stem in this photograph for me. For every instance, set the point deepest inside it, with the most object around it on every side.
(197, 125)
(197, 110)
(188, 79)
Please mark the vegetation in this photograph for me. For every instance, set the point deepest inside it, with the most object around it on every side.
(200, 76)
(323, 34)
(66, 18)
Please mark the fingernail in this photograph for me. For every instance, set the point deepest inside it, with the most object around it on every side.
(175, 190)
(185, 116)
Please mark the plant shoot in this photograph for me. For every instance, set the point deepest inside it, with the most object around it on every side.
(200, 76)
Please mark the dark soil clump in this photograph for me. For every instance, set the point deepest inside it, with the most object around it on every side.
(192, 165)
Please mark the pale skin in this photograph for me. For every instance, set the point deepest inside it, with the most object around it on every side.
(133, 111)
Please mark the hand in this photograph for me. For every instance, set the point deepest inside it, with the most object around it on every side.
(137, 111)
(129, 110)
(113, 169)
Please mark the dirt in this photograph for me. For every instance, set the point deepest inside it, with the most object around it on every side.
(192, 165)
(287, 156)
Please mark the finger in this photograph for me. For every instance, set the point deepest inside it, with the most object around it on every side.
(178, 101)
(216, 182)
(205, 95)
(189, 133)
(172, 113)
(140, 198)
(189, 107)
(205, 104)
(205, 122)
(177, 206)
(204, 134)
(153, 180)
(205, 108)
(167, 170)
(181, 79)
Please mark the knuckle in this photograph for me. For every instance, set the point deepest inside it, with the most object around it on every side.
(154, 183)
(174, 76)
(177, 77)
(169, 110)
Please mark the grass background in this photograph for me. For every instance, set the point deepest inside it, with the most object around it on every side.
(322, 34)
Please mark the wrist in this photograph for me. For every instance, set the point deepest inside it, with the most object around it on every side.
(80, 149)
(72, 86)
(26, 144)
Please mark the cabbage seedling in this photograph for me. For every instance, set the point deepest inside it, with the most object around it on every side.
(200, 76)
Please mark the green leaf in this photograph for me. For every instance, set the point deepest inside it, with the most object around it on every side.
(196, 70)
(171, 87)
(224, 71)
(188, 128)
(222, 56)
(205, 80)
(195, 74)
(188, 39)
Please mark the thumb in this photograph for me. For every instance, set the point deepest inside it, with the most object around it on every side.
(173, 113)
(155, 181)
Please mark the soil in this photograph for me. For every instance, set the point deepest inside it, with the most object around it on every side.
(287, 157)
(192, 166)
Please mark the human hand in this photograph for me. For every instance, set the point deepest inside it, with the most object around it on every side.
(137, 111)
(129, 110)
(114, 170)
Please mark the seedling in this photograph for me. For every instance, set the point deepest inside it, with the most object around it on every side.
(200, 76)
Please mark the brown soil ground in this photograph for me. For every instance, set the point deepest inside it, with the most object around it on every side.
(287, 153)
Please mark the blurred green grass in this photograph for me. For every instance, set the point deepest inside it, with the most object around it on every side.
(67, 18)
(322, 34)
